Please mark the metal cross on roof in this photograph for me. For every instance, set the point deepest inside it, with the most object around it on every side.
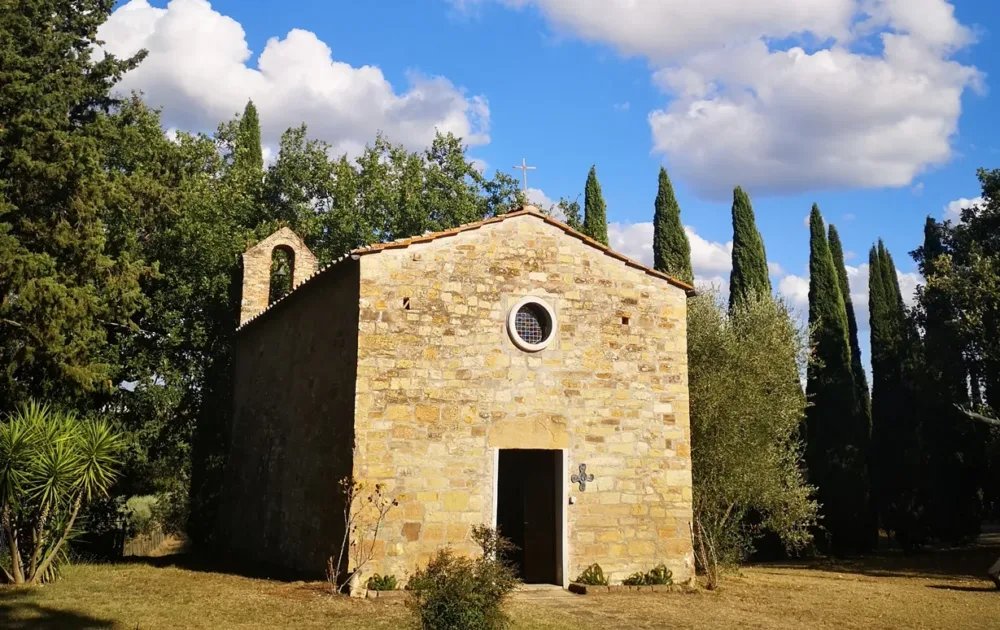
(524, 168)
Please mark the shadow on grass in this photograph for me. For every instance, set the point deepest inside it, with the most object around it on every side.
(969, 562)
(26, 615)
(964, 589)
(201, 563)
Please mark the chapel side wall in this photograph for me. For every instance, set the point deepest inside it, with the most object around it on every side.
(441, 387)
(292, 436)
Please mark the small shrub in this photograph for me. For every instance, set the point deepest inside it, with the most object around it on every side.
(172, 510)
(458, 593)
(659, 576)
(382, 582)
(636, 579)
(592, 576)
(139, 512)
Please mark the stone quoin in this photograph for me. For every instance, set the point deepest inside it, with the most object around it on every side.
(472, 372)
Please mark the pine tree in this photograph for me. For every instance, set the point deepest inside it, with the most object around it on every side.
(836, 448)
(248, 154)
(61, 288)
(750, 271)
(671, 249)
(595, 212)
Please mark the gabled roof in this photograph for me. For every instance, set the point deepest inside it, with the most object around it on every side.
(524, 211)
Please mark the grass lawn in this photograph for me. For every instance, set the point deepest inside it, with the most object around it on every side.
(939, 589)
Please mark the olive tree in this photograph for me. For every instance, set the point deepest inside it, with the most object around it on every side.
(746, 408)
(51, 464)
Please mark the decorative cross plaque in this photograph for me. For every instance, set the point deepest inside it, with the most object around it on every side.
(582, 478)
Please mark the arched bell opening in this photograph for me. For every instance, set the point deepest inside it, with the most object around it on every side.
(282, 273)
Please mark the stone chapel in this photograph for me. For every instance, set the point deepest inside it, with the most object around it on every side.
(511, 372)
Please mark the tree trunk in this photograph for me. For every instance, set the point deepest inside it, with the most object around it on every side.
(16, 574)
(51, 555)
(38, 540)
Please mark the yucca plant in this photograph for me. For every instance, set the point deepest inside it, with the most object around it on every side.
(51, 464)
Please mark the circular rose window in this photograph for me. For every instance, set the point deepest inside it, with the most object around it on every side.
(531, 324)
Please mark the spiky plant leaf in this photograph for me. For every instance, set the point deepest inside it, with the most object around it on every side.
(100, 453)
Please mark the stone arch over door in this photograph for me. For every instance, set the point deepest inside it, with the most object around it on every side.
(257, 269)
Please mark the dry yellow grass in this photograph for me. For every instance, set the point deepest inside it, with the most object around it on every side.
(942, 589)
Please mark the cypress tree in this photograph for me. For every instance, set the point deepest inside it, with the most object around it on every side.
(749, 258)
(835, 450)
(671, 249)
(595, 211)
(248, 153)
(860, 378)
(898, 475)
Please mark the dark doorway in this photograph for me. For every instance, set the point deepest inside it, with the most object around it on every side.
(528, 511)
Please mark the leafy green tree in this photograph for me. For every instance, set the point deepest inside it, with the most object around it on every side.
(595, 211)
(956, 449)
(671, 249)
(566, 211)
(745, 417)
(51, 464)
(181, 210)
(60, 290)
(750, 273)
(968, 274)
(836, 433)
(957, 310)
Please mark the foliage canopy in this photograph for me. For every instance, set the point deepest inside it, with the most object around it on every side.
(746, 408)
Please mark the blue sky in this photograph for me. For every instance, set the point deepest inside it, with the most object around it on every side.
(878, 110)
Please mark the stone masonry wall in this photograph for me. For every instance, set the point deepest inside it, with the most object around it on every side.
(257, 270)
(440, 386)
(294, 377)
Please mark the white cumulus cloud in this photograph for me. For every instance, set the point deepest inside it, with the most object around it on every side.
(783, 96)
(711, 261)
(953, 211)
(795, 289)
(197, 71)
(538, 197)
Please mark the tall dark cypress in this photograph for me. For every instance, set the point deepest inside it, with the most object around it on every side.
(249, 154)
(835, 451)
(749, 258)
(671, 249)
(864, 427)
(595, 211)
(857, 367)
(898, 476)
